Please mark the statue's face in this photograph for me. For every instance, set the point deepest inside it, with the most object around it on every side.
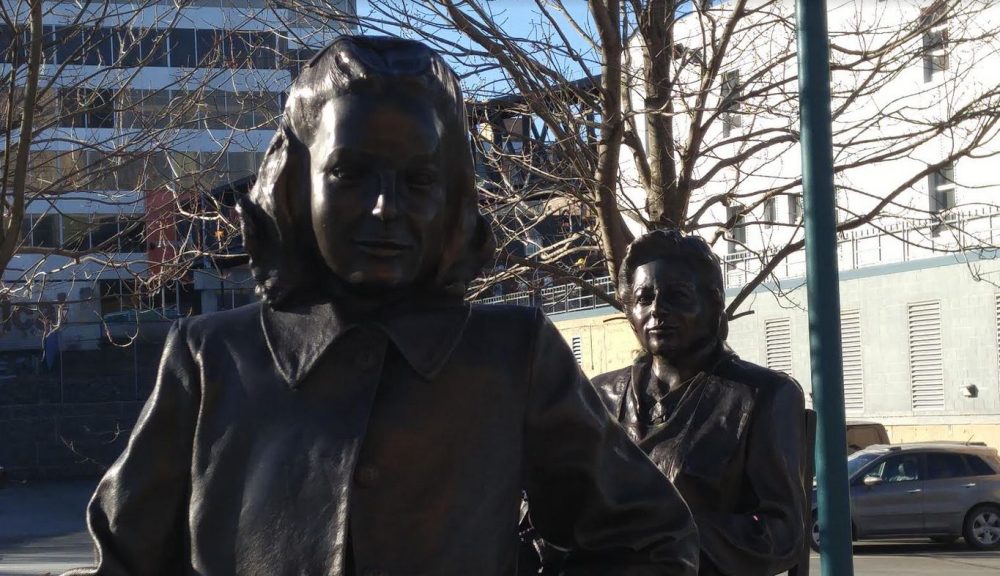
(669, 314)
(378, 189)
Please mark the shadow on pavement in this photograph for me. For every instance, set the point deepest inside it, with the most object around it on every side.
(32, 510)
(43, 527)
(921, 546)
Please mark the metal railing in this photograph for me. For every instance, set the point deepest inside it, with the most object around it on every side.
(901, 242)
(554, 299)
(894, 244)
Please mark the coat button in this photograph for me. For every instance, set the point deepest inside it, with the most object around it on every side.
(366, 475)
(366, 360)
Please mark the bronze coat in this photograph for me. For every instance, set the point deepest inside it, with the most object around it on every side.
(733, 448)
(293, 443)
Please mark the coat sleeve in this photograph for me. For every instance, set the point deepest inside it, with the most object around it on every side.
(767, 539)
(591, 490)
(137, 516)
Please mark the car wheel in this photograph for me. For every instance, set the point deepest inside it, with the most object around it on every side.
(814, 534)
(943, 539)
(982, 527)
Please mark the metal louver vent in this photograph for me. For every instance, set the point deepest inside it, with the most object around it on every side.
(778, 344)
(997, 301)
(854, 388)
(926, 369)
(577, 345)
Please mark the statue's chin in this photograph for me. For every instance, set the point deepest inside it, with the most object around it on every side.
(688, 353)
(381, 288)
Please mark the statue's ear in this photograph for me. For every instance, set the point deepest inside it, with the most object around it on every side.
(266, 213)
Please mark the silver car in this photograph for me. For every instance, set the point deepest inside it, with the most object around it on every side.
(940, 490)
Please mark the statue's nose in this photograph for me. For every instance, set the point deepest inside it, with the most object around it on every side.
(660, 307)
(386, 204)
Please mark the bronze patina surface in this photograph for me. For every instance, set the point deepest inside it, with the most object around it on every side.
(728, 433)
(363, 419)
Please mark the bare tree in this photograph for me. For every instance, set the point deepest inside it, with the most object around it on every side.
(119, 121)
(594, 126)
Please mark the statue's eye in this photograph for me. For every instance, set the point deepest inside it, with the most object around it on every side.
(346, 172)
(421, 178)
(681, 296)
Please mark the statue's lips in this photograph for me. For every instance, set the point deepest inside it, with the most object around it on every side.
(662, 330)
(382, 248)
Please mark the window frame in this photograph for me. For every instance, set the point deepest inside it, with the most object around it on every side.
(770, 216)
(94, 108)
(796, 209)
(881, 463)
(56, 229)
(738, 233)
(970, 458)
(941, 189)
(934, 39)
(730, 91)
(185, 49)
(960, 458)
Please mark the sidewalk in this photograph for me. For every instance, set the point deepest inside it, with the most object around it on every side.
(43, 528)
(43, 531)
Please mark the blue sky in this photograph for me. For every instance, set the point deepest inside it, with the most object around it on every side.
(522, 19)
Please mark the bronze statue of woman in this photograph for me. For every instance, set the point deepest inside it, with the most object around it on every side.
(363, 419)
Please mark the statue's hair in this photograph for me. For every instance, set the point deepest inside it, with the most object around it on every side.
(276, 226)
(692, 250)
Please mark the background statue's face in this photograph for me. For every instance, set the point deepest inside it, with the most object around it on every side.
(669, 314)
(378, 189)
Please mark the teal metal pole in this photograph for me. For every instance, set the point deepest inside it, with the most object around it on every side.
(823, 286)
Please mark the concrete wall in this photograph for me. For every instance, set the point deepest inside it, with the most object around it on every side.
(967, 292)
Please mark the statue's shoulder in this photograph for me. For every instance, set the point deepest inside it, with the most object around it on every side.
(227, 325)
(613, 381)
(506, 315)
(612, 386)
(763, 382)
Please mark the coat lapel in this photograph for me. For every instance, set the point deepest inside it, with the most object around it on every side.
(426, 334)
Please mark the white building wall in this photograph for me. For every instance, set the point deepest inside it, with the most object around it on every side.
(974, 69)
(969, 352)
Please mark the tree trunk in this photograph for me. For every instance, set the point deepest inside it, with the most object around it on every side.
(615, 237)
(12, 233)
(665, 203)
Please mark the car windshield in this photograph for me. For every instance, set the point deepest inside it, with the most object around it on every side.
(858, 460)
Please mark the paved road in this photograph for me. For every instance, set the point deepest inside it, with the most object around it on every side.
(47, 555)
(42, 532)
(918, 558)
(52, 555)
(42, 527)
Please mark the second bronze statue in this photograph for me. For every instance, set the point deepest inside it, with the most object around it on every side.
(728, 433)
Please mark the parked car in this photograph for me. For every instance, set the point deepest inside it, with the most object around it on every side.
(145, 315)
(861, 434)
(148, 325)
(939, 490)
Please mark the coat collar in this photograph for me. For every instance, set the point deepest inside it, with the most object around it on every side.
(642, 371)
(425, 333)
